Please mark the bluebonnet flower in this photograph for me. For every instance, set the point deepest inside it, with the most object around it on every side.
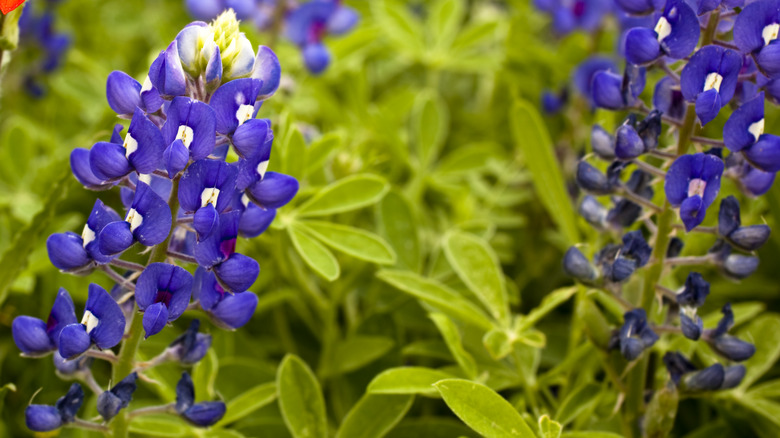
(747, 238)
(43, 418)
(668, 98)
(148, 221)
(189, 133)
(37, 338)
(726, 345)
(162, 293)
(595, 181)
(207, 189)
(235, 272)
(73, 253)
(744, 133)
(227, 310)
(753, 181)
(141, 151)
(110, 402)
(675, 35)
(125, 94)
(568, 16)
(576, 265)
(690, 299)
(103, 325)
(710, 79)
(689, 378)
(755, 32)
(692, 183)
(640, 6)
(191, 346)
(254, 219)
(199, 414)
(166, 73)
(268, 190)
(613, 91)
(71, 367)
(587, 70)
(603, 143)
(37, 31)
(307, 25)
(553, 102)
(636, 335)
(82, 169)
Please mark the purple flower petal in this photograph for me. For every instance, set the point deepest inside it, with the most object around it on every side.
(104, 318)
(123, 93)
(274, 190)
(237, 273)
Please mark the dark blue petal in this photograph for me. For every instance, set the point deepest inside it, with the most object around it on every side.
(234, 310)
(155, 318)
(191, 346)
(67, 367)
(100, 216)
(167, 74)
(635, 246)
(123, 93)
(213, 72)
(42, 418)
(205, 414)
(274, 190)
(739, 266)
(668, 98)
(592, 211)
(316, 57)
(110, 320)
(750, 23)
(621, 269)
(255, 220)
(631, 348)
(733, 348)
(642, 46)
(185, 393)
(755, 181)
(583, 75)
(73, 341)
(592, 180)
(684, 29)
(203, 175)
(167, 284)
(237, 273)
(708, 105)
(63, 313)
(678, 178)
(149, 140)
(606, 89)
(737, 133)
(69, 404)
(199, 118)
(268, 70)
(733, 376)
(80, 166)
(205, 221)
(769, 60)
(628, 144)
(175, 157)
(66, 251)
(151, 97)
(602, 142)
(692, 212)
(108, 405)
(115, 238)
(695, 291)
(249, 138)
(750, 238)
(229, 99)
(708, 379)
(728, 216)
(156, 213)
(765, 154)
(108, 161)
(691, 328)
(576, 265)
(30, 336)
(206, 289)
(677, 366)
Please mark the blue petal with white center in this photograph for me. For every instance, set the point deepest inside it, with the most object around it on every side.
(163, 292)
(692, 183)
(193, 122)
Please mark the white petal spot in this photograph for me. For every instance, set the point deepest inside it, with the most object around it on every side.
(696, 187)
(90, 320)
(209, 196)
(147, 85)
(87, 235)
(769, 33)
(245, 200)
(130, 145)
(244, 113)
(713, 81)
(757, 129)
(134, 218)
(145, 178)
(663, 28)
(261, 168)
(185, 135)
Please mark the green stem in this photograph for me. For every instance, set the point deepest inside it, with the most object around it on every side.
(712, 26)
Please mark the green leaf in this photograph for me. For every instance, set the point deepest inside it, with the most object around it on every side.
(350, 240)
(451, 335)
(4, 390)
(320, 150)
(374, 415)
(769, 389)
(444, 19)
(221, 433)
(549, 428)
(15, 258)
(398, 225)
(249, 401)
(357, 352)
(466, 160)
(399, 26)
(577, 402)
(533, 140)
(407, 380)
(550, 302)
(764, 332)
(591, 434)
(483, 409)
(204, 374)
(766, 408)
(300, 399)
(430, 121)
(295, 154)
(477, 266)
(437, 295)
(160, 425)
(497, 343)
(474, 36)
(346, 194)
(314, 253)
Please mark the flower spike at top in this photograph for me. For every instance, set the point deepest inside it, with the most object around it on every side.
(692, 183)
(709, 79)
(675, 35)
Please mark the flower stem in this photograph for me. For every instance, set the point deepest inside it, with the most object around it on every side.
(151, 410)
